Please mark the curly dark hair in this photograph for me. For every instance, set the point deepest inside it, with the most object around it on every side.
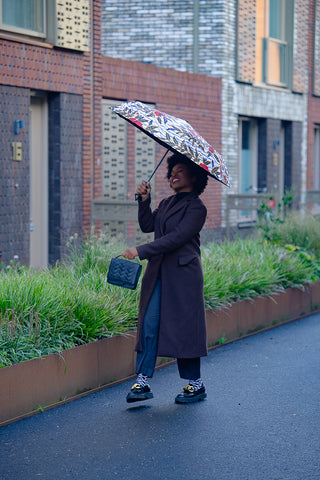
(196, 171)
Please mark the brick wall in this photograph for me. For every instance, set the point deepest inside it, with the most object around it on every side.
(314, 85)
(70, 159)
(74, 132)
(260, 102)
(262, 155)
(288, 163)
(313, 121)
(162, 33)
(300, 46)
(195, 98)
(15, 176)
(92, 132)
(54, 177)
(26, 67)
(150, 32)
(314, 46)
(246, 40)
(296, 140)
(65, 174)
(40, 67)
(272, 147)
(220, 38)
(270, 151)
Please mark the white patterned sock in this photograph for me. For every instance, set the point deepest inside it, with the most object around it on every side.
(196, 383)
(142, 379)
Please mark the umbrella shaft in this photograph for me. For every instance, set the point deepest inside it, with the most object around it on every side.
(154, 171)
(138, 197)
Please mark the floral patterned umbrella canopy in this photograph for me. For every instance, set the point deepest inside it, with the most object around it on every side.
(176, 135)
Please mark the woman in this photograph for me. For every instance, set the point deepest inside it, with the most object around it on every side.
(171, 312)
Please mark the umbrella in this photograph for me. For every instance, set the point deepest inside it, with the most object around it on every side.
(176, 135)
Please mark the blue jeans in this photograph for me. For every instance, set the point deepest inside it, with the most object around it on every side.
(189, 368)
(146, 360)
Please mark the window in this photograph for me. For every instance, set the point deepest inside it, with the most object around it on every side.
(276, 19)
(63, 23)
(23, 16)
(278, 30)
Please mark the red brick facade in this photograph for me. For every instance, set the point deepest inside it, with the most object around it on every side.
(92, 94)
(33, 65)
(196, 98)
(38, 66)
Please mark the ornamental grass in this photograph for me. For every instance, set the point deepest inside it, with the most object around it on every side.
(71, 303)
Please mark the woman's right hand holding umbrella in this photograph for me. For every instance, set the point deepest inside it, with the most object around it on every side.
(144, 190)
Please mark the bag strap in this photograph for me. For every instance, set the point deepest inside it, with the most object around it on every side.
(136, 259)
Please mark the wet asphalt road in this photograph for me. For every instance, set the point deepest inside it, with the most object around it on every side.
(261, 421)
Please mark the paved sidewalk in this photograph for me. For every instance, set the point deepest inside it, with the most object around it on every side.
(261, 421)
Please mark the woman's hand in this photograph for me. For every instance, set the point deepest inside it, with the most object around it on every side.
(144, 190)
(130, 253)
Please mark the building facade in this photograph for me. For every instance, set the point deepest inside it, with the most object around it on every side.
(129, 156)
(50, 137)
(264, 51)
(244, 73)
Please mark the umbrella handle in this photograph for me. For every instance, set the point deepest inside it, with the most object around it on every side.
(137, 196)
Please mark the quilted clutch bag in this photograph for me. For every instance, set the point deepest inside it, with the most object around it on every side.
(124, 273)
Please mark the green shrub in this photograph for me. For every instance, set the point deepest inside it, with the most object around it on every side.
(63, 306)
(298, 230)
(48, 311)
(247, 268)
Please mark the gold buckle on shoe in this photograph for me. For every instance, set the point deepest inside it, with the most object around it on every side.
(135, 385)
(189, 388)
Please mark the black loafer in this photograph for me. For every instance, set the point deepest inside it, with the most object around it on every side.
(190, 395)
(139, 393)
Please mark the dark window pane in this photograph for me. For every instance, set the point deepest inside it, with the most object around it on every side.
(275, 20)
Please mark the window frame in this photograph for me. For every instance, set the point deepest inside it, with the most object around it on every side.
(286, 32)
(26, 31)
(266, 63)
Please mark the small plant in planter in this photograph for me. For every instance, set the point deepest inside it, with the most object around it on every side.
(271, 216)
(13, 265)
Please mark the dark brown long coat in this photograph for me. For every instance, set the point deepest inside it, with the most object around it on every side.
(175, 253)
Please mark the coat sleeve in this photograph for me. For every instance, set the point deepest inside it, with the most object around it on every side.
(190, 225)
(146, 217)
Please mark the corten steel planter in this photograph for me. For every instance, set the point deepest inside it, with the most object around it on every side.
(30, 387)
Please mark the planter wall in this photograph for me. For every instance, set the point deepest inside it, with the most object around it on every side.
(29, 387)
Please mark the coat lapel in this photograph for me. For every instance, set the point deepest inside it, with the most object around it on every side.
(169, 211)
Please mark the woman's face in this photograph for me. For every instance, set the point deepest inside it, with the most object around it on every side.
(180, 179)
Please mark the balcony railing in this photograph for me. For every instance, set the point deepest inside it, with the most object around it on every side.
(127, 210)
(247, 202)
